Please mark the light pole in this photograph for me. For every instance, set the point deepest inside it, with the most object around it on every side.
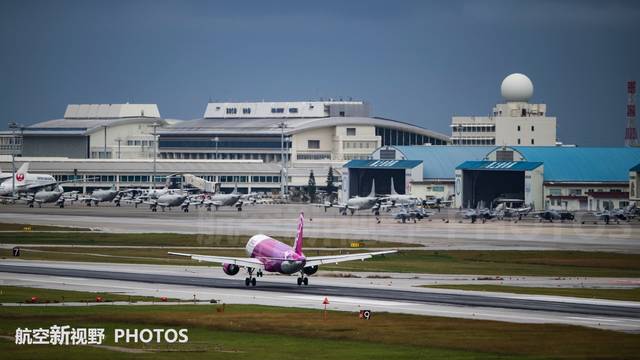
(283, 170)
(216, 139)
(155, 147)
(119, 140)
(13, 126)
(105, 141)
(287, 141)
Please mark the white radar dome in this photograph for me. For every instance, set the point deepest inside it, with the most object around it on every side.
(516, 87)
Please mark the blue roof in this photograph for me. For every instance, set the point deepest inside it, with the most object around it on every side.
(387, 164)
(635, 168)
(499, 165)
(583, 164)
(440, 161)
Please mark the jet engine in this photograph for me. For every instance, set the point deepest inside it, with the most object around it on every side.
(230, 269)
(310, 270)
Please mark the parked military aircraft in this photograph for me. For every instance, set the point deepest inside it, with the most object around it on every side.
(169, 201)
(98, 196)
(57, 196)
(354, 204)
(217, 200)
(551, 215)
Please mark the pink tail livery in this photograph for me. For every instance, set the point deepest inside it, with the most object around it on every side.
(297, 244)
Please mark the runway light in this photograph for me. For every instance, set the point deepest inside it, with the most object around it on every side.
(163, 299)
(98, 298)
(34, 299)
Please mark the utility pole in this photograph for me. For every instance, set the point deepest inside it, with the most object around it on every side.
(105, 141)
(119, 140)
(155, 147)
(216, 139)
(283, 170)
(14, 147)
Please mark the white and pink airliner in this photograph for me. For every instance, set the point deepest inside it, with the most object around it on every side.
(268, 254)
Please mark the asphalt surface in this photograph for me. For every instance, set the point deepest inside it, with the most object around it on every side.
(445, 231)
(323, 290)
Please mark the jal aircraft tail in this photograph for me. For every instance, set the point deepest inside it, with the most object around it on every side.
(297, 244)
(373, 189)
(21, 174)
(393, 188)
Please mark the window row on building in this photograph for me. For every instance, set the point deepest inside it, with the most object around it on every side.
(371, 145)
(268, 157)
(473, 141)
(163, 178)
(313, 156)
(474, 128)
(392, 137)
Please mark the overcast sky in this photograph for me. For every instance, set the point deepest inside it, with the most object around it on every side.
(415, 61)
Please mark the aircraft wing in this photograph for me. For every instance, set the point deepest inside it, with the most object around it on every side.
(334, 259)
(246, 262)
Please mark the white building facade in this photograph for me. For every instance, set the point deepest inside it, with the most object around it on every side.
(515, 122)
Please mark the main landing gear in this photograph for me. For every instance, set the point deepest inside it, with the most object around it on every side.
(303, 279)
(252, 280)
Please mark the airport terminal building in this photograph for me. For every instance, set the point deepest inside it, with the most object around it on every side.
(115, 143)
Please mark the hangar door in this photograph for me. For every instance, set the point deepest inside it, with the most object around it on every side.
(361, 174)
(360, 181)
(485, 181)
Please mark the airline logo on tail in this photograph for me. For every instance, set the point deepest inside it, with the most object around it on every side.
(20, 176)
(297, 244)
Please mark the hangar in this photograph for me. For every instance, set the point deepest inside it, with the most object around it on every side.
(482, 182)
(549, 177)
(360, 174)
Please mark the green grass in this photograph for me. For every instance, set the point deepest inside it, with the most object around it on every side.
(247, 332)
(505, 263)
(612, 294)
(490, 263)
(28, 227)
(168, 239)
(18, 294)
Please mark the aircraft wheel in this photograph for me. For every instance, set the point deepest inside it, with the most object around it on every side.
(305, 281)
(299, 281)
(239, 208)
(253, 281)
(30, 205)
(246, 281)
(376, 213)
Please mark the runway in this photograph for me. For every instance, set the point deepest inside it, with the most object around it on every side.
(280, 220)
(629, 310)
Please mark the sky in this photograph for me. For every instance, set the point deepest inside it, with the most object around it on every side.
(416, 61)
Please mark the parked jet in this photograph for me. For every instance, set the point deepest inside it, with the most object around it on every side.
(407, 213)
(268, 254)
(621, 214)
(25, 181)
(550, 215)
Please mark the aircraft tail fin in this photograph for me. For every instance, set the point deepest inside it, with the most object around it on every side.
(373, 189)
(297, 244)
(21, 174)
(393, 188)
